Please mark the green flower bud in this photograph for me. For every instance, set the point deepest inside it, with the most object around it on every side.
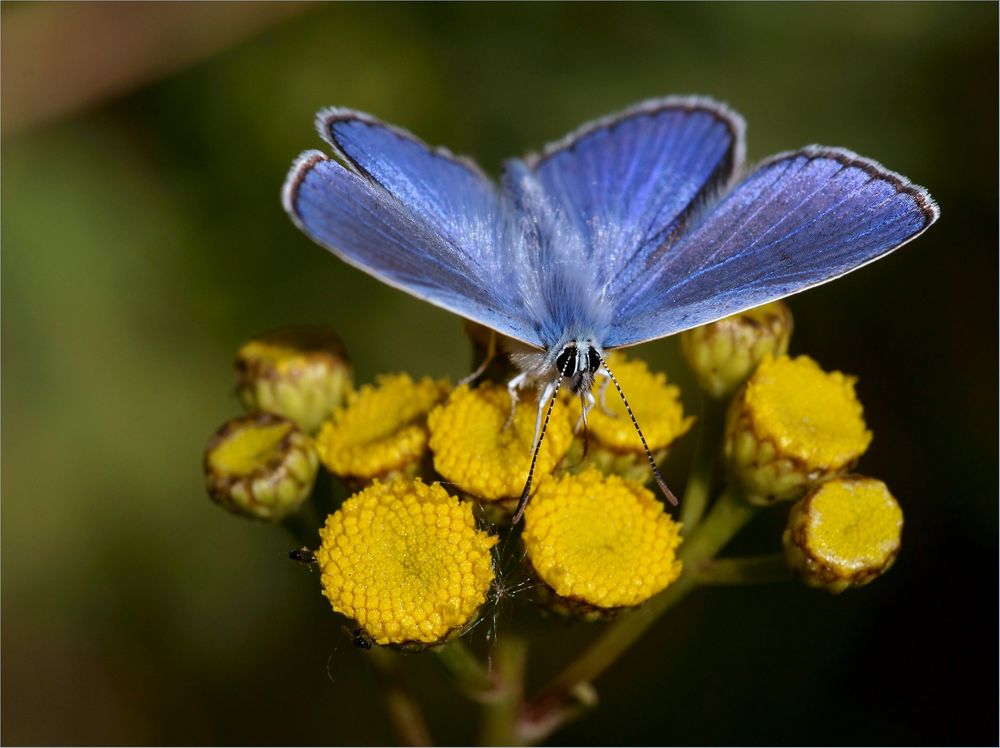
(260, 465)
(843, 533)
(724, 354)
(301, 373)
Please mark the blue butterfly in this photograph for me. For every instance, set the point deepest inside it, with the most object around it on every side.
(632, 228)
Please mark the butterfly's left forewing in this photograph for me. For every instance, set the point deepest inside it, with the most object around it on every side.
(801, 219)
(418, 219)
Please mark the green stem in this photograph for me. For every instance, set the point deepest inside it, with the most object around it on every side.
(729, 514)
(404, 712)
(469, 673)
(706, 453)
(744, 570)
(501, 713)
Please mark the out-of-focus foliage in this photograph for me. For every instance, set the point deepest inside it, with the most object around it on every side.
(143, 240)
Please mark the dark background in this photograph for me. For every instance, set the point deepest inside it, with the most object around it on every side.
(143, 151)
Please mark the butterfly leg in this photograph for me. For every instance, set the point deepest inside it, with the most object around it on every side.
(491, 352)
(543, 401)
(603, 391)
(512, 387)
(587, 403)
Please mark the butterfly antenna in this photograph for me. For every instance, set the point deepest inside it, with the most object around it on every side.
(649, 455)
(523, 502)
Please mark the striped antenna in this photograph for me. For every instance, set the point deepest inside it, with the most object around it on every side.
(649, 455)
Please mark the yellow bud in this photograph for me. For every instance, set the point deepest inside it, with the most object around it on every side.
(792, 426)
(381, 431)
(843, 533)
(405, 560)
(301, 373)
(260, 465)
(476, 450)
(599, 543)
(614, 446)
(724, 354)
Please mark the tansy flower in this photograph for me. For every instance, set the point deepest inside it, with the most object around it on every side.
(381, 432)
(260, 465)
(600, 542)
(475, 448)
(615, 446)
(301, 373)
(723, 354)
(792, 426)
(405, 560)
(843, 533)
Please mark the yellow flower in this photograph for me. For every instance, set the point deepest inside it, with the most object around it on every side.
(475, 449)
(723, 354)
(301, 373)
(260, 465)
(405, 560)
(614, 446)
(599, 541)
(793, 426)
(843, 533)
(381, 432)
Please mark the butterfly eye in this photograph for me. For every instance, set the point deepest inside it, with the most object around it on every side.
(593, 359)
(566, 361)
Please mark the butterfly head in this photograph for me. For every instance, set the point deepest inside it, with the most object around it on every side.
(579, 361)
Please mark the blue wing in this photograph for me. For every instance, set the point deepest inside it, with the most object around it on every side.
(418, 219)
(627, 184)
(801, 219)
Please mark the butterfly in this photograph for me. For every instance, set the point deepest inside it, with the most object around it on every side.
(632, 228)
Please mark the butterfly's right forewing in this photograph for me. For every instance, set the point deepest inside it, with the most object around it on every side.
(801, 219)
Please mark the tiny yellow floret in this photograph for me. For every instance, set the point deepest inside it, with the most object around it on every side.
(810, 414)
(476, 449)
(655, 404)
(601, 540)
(381, 431)
(405, 560)
(844, 533)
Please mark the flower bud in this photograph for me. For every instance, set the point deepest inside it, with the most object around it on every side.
(260, 465)
(301, 373)
(792, 426)
(405, 561)
(724, 353)
(843, 533)
(477, 450)
(381, 432)
(599, 544)
(614, 446)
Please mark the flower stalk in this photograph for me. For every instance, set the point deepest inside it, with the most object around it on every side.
(728, 515)
(404, 712)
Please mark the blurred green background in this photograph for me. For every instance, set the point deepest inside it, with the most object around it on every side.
(142, 240)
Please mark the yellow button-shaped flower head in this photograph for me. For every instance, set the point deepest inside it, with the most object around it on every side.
(602, 542)
(723, 354)
(405, 560)
(260, 465)
(381, 432)
(301, 373)
(615, 446)
(793, 426)
(477, 450)
(843, 533)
